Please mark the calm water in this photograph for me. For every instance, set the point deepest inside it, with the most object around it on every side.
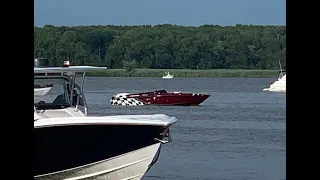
(239, 133)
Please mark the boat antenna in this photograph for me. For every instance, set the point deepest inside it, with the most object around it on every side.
(280, 68)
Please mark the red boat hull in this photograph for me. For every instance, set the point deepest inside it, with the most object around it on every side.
(162, 98)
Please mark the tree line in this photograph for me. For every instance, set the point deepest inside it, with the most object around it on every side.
(164, 46)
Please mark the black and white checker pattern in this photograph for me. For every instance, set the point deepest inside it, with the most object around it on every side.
(122, 100)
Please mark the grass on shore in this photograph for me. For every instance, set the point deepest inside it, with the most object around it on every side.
(246, 73)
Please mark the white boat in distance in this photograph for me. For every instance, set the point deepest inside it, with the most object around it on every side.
(69, 144)
(167, 76)
(280, 84)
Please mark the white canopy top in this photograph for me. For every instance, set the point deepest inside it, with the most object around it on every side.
(70, 69)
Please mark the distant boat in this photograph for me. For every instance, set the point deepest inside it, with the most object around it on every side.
(280, 84)
(167, 76)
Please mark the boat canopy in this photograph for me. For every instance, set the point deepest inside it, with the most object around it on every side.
(47, 74)
(70, 69)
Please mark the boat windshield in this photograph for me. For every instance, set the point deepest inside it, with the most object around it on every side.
(50, 94)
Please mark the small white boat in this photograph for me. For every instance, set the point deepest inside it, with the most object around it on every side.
(280, 84)
(167, 76)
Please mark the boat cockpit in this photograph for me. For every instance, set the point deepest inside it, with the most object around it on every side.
(56, 87)
(60, 95)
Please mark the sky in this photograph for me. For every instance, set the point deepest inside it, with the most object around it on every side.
(153, 12)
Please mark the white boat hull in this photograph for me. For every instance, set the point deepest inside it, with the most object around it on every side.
(132, 165)
(41, 91)
(167, 76)
(277, 86)
(275, 89)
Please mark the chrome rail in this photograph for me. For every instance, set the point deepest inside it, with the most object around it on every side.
(166, 136)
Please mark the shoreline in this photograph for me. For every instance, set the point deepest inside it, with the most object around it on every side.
(211, 73)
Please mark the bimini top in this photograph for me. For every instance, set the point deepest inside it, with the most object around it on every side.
(70, 69)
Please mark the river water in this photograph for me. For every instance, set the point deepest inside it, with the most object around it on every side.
(238, 133)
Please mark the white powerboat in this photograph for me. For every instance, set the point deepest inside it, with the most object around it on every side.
(70, 144)
(167, 76)
(279, 85)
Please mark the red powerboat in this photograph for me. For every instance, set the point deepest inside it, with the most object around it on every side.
(159, 98)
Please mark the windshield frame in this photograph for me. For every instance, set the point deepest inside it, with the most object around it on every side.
(70, 102)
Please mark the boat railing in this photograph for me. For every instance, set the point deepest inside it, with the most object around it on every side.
(70, 74)
(73, 85)
(81, 95)
(166, 136)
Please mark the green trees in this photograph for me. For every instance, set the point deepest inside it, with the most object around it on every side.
(164, 46)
